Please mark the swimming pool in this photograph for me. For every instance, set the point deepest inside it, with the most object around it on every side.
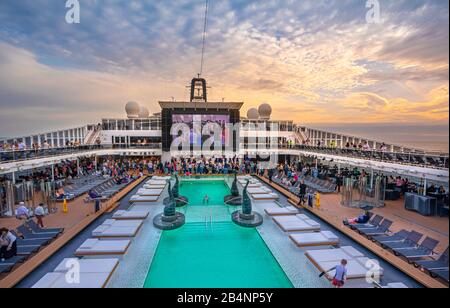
(210, 251)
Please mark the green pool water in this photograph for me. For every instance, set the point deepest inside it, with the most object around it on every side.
(197, 190)
(213, 255)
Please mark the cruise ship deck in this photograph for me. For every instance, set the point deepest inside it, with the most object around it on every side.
(308, 151)
(105, 145)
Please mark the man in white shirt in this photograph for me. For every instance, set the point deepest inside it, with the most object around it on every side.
(22, 212)
(39, 212)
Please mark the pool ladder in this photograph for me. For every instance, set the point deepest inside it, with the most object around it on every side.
(210, 222)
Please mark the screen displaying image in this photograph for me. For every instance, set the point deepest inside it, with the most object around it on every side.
(197, 122)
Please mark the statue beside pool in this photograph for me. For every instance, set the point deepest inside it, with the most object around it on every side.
(170, 219)
(180, 201)
(235, 198)
(246, 217)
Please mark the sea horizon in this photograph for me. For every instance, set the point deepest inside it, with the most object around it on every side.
(432, 138)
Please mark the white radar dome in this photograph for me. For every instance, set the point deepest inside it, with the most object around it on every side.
(265, 111)
(132, 109)
(253, 114)
(144, 113)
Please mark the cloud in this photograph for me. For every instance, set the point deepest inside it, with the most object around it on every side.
(318, 59)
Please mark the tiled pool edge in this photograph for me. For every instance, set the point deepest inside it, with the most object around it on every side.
(133, 269)
(288, 256)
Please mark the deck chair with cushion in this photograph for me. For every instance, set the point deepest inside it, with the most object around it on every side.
(26, 251)
(7, 265)
(439, 264)
(380, 230)
(30, 241)
(397, 237)
(27, 234)
(35, 228)
(410, 242)
(442, 274)
(425, 249)
(374, 222)
(25, 243)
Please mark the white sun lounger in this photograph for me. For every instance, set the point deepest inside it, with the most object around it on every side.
(149, 192)
(297, 223)
(276, 210)
(326, 259)
(93, 273)
(122, 223)
(132, 214)
(266, 196)
(96, 247)
(161, 178)
(60, 281)
(324, 238)
(115, 232)
(258, 190)
(154, 186)
(119, 229)
(156, 182)
(252, 181)
(137, 198)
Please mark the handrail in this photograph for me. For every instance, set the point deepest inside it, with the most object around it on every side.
(23, 155)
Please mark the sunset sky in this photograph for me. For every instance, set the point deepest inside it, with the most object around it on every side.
(317, 62)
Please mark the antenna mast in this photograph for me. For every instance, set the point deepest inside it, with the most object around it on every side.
(205, 32)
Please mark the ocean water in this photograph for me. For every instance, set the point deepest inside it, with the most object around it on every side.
(426, 137)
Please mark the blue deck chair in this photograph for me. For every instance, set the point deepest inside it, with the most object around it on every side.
(410, 242)
(439, 264)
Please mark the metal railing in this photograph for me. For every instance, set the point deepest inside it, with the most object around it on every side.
(418, 159)
(23, 155)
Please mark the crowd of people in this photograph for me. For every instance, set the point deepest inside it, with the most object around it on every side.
(45, 145)
(361, 146)
(203, 166)
(291, 174)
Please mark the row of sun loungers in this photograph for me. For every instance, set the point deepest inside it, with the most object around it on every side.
(312, 183)
(406, 244)
(257, 190)
(151, 191)
(109, 189)
(101, 254)
(305, 232)
(30, 239)
(81, 186)
(319, 185)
